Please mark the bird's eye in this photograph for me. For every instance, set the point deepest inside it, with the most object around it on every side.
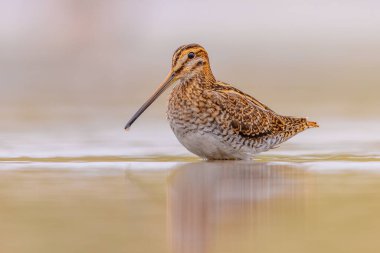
(191, 55)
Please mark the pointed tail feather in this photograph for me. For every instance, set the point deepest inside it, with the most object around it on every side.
(311, 124)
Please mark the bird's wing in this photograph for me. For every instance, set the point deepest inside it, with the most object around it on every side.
(244, 114)
(226, 87)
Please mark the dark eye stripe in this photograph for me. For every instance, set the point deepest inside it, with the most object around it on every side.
(178, 52)
(200, 63)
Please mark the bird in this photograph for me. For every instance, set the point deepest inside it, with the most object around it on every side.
(215, 120)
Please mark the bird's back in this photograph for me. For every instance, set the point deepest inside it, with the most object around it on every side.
(232, 117)
(251, 118)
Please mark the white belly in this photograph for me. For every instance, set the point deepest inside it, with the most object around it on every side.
(209, 146)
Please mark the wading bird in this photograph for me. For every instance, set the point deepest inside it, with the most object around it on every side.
(214, 120)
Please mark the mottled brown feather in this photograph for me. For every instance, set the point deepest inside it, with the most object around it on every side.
(217, 121)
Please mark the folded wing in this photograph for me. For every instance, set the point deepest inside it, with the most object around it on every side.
(244, 114)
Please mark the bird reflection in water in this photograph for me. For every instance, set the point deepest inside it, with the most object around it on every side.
(207, 198)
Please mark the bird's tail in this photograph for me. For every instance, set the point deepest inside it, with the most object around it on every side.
(293, 125)
(298, 123)
(311, 124)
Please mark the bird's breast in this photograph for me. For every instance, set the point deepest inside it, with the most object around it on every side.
(192, 109)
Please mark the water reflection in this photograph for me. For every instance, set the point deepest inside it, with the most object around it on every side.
(206, 198)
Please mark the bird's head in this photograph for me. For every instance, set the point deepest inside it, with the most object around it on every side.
(188, 61)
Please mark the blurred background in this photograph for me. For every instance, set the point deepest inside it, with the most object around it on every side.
(101, 58)
(72, 72)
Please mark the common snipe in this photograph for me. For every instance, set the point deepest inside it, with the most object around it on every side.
(214, 120)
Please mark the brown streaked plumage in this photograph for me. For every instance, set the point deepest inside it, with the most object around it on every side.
(214, 120)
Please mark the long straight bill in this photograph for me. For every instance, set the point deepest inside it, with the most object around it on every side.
(152, 98)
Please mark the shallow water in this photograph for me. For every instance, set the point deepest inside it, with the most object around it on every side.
(73, 72)
(92, 188)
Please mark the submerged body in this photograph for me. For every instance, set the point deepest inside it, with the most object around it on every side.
(214, 120)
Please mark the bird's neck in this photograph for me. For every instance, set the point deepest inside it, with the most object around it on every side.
(207, 75)
(202, 80)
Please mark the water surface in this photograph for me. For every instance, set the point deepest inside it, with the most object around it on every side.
(92, 188)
